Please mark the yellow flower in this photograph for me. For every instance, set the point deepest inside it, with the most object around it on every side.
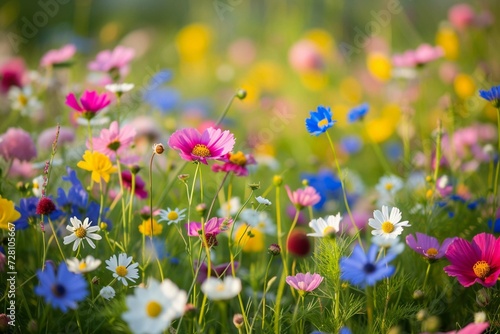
(379, 66)
(314, 80)
(8, 213)
(193, 42)
(98, 164)
(323, 40)
(464, 86)
(145, 227)
(447, 39)
(351, 90)
(255, 243)
(380, 129)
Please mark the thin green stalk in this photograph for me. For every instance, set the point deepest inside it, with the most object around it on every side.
(224, 113)
(497, 175)
(344, 192)
(122, 200)
(89, 133)
(369, 308)
(55, 237)
(426, 276)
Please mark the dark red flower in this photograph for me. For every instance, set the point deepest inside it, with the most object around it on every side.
(45, 206)
(298, 243)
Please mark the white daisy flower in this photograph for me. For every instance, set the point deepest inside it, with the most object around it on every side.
(83, 266)
(24, 100)
(230, 208)
(323, 228)
(259, 220)
(388, 226)
(107, 292)
(217, 289)
(122, 268)
(263, 201)
(37, 186)
(81, 231)
(393, 246)
(172, 216)
(119, 88)
(152, 309)
(388, 186)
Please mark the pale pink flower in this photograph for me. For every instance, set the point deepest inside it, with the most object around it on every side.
(17, 144)
(305, 56)
(58, 56)
(115, 62)
(302, 198)
(461, 16)
(113, 141)
(304, 282)
(47, 137)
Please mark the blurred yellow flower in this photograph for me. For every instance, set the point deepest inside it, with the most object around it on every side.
(323, 40)
(314, 80)
(447, 39)
(99, 164)
(380, 129)
(464, 86)
(351, 90)
(193, 42)
(145, 227)
(392, 112)
(250, 244)
(379, 65)
(266, 74)
(8, 213)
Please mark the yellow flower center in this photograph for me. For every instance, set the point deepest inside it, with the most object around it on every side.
(323, 122)
(220, 287)
(387, 227)
(153, 309)
(389, 186)
(81, 232)
(121, 271)
(200, 150)
(82, 266)
(481, 269)
(172, 215)
(328, 230)
(23, 100)
(432, 252)
(238, 158)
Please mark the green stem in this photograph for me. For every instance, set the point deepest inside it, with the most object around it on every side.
(224, 113)
(426, 276)
(55, 237)
(122, 200)
(369, 308)
(497, 175)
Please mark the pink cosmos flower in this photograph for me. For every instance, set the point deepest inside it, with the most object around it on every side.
(12, 73)
(472, 328)
(428, 246)
(213, 226)
(47, 137)
(193, 146)
(90, 103)
(114, 141)
(475, 262)
(236, 163)
(140, 185)
(461, 16)
(114, 62)
(424, 54)
(304, 282)
(305, 56)
(302, 198)
(58, 56)
(17, 144)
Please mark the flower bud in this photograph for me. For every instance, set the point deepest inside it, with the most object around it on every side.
(103, 226)
(201, 209)
(483, 297)
(277, 180)
(254, 186)
(241, 94)
(274, 249)
(190, 311)
(421, 315)
(135, 169)
(480, 317)
(431, 324)
(158, 148)
(183, 177)
(418, 294)
(95, 280)
(238, 320)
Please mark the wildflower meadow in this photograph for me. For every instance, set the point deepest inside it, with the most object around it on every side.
(236, 166)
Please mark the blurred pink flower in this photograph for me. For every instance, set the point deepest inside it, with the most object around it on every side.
(242, 51)
(140, 185)
(423, 54)
(115, 62)
(305, 56)
(22, 169)
(236, 163)
(213, 226)
(304, 282)
(12, 73)
(113, 141)
(471, 328)
(461, 16)
(47, 137)
(360, 219)
(302, 198)
(58, 56)
(17, 144)
(193, 146)
(90, 103)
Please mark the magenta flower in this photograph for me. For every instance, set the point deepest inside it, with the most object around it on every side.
(12, 74)
(236, 163)
(113, 62)
(193, 146)
(461, 16)
(475, 262)
(90, 103)
(59, 56)
(304, 282)
(428, 246)
(140, 186)
(213, 226)
(302, 198)
(17, 144)
(114, 141)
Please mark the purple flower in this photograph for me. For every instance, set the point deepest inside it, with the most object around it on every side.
(17, 144)
(304, 282)
(90, 103)
(193, 146)
(428, 246)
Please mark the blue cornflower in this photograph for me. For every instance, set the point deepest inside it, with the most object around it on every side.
(27, 209)
(61, 288)
(326, 183)
(364, 269)
(351, 144)
(492, 95)
(320, 121)
(357, 113)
